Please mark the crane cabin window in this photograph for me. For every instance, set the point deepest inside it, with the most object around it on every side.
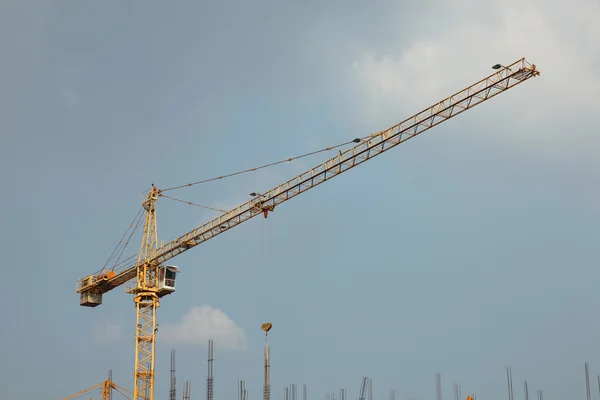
(166, 278)
(170, 278)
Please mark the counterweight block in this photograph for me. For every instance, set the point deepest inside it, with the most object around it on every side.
(89, 299)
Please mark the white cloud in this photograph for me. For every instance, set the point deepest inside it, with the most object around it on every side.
(106, 332)
(202, 323)
(552, 119)
(558, 39)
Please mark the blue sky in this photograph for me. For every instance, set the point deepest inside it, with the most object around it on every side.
(468, 249)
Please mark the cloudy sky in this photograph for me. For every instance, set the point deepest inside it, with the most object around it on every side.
(466, 250)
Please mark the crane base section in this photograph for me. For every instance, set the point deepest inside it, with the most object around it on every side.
(88, 299)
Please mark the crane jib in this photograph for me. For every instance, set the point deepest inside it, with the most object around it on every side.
(375, 144)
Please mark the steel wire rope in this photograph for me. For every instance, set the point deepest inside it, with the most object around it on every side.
(191, 203)
(265, 270)
(357, 140)
(262, 266)
(268, 264)
(139, 218)
(124, 264)
(264, 291)
(120, 241)
(160, 193)
(128, 262)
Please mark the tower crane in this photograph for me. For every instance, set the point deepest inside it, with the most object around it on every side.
(106, 389)
(152, 279)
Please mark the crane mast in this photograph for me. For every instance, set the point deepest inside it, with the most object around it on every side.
(146, 302)
(106, 389)
(146, 269)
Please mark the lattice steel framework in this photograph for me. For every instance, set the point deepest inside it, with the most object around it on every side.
(145, 269)
(146, 301)
(377, 143)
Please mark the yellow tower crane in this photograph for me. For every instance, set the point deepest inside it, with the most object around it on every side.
(154, 279)
(106, 389)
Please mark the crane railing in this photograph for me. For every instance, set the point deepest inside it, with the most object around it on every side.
(377, 143)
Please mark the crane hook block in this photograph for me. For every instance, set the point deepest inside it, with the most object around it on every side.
(266, 209)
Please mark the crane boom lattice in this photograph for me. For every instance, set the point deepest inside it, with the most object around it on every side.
(154, 280)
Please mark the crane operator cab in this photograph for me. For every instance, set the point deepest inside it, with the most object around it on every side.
(166, 279)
